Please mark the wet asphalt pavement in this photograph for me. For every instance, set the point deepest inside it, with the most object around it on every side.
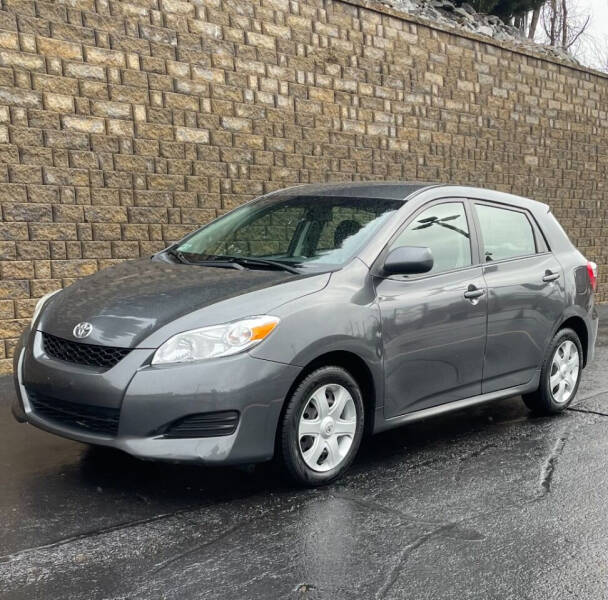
(485, 503)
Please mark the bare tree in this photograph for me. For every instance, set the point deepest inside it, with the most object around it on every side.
(573, 26)
(598, 54)
(551, 16)
(534, 22)
(563, 23)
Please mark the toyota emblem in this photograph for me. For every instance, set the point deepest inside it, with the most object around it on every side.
(82, 330)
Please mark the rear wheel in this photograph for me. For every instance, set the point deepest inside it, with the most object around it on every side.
(322, 426)
(559, 376)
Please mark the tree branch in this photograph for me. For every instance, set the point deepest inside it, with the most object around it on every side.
(579, 33)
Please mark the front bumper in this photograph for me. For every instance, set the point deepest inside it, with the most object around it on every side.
(149, 398)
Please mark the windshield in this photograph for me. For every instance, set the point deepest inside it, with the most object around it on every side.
(299, 231)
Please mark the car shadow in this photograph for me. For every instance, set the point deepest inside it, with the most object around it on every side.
(63, 489)
(174, 483)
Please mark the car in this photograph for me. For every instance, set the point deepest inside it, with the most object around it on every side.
(303, 320)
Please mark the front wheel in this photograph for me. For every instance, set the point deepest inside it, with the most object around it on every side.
(322, 426)
(560, 375)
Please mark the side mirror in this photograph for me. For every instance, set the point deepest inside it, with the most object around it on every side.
(408, 260)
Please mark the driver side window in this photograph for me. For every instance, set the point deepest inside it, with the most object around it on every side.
(444, 229)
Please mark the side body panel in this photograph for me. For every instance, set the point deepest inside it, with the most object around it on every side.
(434, 340)
(573, 302)
(522, 311)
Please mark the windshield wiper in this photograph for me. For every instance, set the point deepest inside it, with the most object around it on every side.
(220, 264)
(232, 262)
(179, 255)
(262, 262)
(254, 261)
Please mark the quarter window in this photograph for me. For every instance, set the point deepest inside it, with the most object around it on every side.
(444, 229)
(505, 233)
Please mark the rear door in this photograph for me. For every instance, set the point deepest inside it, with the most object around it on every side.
(525, 285)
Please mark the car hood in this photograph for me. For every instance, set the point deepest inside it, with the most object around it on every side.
(127, 303)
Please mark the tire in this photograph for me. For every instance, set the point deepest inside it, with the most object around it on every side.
(558, 385)
(317, 444)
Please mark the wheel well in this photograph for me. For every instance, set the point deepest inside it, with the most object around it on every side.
(357, 368)
(580, 328)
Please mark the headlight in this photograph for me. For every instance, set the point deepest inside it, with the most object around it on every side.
(41, 303)
(215, 341)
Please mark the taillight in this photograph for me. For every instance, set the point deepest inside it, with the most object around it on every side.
(592, 272)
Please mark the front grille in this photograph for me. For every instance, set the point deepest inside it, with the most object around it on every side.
(203, 425)
(94, 419)
(83, 354)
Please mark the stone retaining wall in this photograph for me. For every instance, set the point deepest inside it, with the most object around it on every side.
(124, 125)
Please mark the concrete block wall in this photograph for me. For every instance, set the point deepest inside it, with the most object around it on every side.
(126, 124)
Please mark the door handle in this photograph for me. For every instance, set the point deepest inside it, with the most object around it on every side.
(474, 293)
(549, 276)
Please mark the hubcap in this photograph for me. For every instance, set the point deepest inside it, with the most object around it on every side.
(327, 427)
(564, 371)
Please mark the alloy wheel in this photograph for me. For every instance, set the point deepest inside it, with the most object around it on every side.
(564, 371)
(327, 427)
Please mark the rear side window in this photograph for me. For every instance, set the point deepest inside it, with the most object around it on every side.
(505, 233)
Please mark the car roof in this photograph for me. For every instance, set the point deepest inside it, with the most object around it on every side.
(403, 190)
(382, 190)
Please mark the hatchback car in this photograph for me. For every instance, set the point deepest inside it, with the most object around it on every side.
(296, 323)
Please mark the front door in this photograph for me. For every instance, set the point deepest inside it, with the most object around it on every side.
(434, 324)
(525, 295)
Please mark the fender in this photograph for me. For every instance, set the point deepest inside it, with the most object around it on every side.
(332, 320)
(576, 311)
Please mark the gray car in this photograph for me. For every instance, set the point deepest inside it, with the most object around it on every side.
(302, 320)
